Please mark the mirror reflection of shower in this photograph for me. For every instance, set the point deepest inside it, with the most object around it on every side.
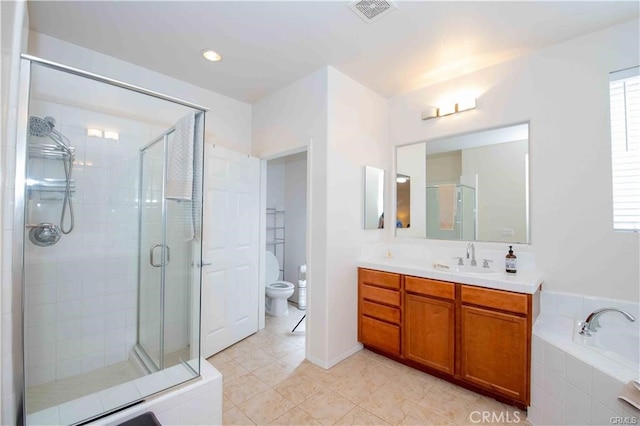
(47, 234)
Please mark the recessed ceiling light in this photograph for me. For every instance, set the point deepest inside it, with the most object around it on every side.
(210, 55)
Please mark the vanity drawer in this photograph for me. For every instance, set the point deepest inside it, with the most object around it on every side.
(382, 312)
(380, 335)
(381, 295)
(497, 299)
(427, 287)
(380, 279)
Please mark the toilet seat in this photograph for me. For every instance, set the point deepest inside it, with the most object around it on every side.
(284, 285)
(277, 292)
(271, 267)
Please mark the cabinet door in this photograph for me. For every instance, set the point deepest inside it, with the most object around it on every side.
(494, 351)
(380, 335)
(429, 332)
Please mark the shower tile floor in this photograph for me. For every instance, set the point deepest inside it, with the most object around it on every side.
(60, 391)
(268, 381)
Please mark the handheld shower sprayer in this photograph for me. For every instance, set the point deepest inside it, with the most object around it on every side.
(44, 127)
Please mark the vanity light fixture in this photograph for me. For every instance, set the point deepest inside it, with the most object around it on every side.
(448, 109)
(400, 178)
(465, 104)
(212, 56)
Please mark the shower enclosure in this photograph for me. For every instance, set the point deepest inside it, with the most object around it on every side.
(108, 204)
(464, 214)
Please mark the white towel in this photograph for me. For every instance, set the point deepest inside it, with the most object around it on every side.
(447, 204)
(631, 394)
(197, 187)
(180, 160)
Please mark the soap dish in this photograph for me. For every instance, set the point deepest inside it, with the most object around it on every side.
(441, 266)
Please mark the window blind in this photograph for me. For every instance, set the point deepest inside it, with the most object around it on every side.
(624, 89)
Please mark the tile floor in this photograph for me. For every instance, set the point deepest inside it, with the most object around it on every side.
(268, 381)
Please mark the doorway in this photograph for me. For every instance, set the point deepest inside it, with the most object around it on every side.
(286, 233)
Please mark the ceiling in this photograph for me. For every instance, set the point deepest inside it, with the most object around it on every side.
(267, 45)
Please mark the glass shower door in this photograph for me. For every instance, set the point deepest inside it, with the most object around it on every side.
(153, 255)
(167, 257)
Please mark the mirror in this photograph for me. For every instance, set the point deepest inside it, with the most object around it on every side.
(373, 198)
(471, 187)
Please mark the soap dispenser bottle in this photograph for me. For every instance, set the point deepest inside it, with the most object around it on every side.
(511, 262)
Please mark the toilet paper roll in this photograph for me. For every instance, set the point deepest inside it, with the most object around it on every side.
(302, 269)
(302, 298)
(302, 283)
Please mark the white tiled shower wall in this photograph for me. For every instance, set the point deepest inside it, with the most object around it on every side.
(81, 293)
(570, 386)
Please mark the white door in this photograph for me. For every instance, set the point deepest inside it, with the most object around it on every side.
(230, 253)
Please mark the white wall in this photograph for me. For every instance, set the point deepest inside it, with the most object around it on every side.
(346, 124)
(295, 189)
(357, 130)
(287, 121)
(502, 189)
(275, 200)
(275, 184)
(563, 91)
(445, 167)
(228, 123)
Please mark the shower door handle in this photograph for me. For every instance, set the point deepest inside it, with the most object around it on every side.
(151, 255)
(153, 247)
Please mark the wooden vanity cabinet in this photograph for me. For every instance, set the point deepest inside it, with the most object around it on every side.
(379, 310)
(429, 323)
(473, 336)
(495, 341)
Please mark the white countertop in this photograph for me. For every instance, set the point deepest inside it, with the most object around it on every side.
(522, 282)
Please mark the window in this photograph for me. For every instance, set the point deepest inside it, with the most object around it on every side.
(624, 89)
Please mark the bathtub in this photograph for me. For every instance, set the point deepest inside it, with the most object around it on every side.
(577, 379)
(619, 343)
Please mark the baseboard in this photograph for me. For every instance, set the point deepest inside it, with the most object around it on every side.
(327, 365)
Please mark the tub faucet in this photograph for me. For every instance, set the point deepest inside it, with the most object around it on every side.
(591, 324)
(472, 249)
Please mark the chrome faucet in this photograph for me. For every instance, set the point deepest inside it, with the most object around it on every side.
(592, 323)
(472, 249)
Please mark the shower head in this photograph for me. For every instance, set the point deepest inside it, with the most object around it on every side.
(40, 127)
(44, 127)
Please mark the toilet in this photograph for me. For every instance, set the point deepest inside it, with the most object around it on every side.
(277, 291)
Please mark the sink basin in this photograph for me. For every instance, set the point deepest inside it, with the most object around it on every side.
(473, 270)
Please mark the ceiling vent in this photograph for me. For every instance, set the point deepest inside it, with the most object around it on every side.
(371, 10)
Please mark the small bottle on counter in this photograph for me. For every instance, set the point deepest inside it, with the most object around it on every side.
(511, 261)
